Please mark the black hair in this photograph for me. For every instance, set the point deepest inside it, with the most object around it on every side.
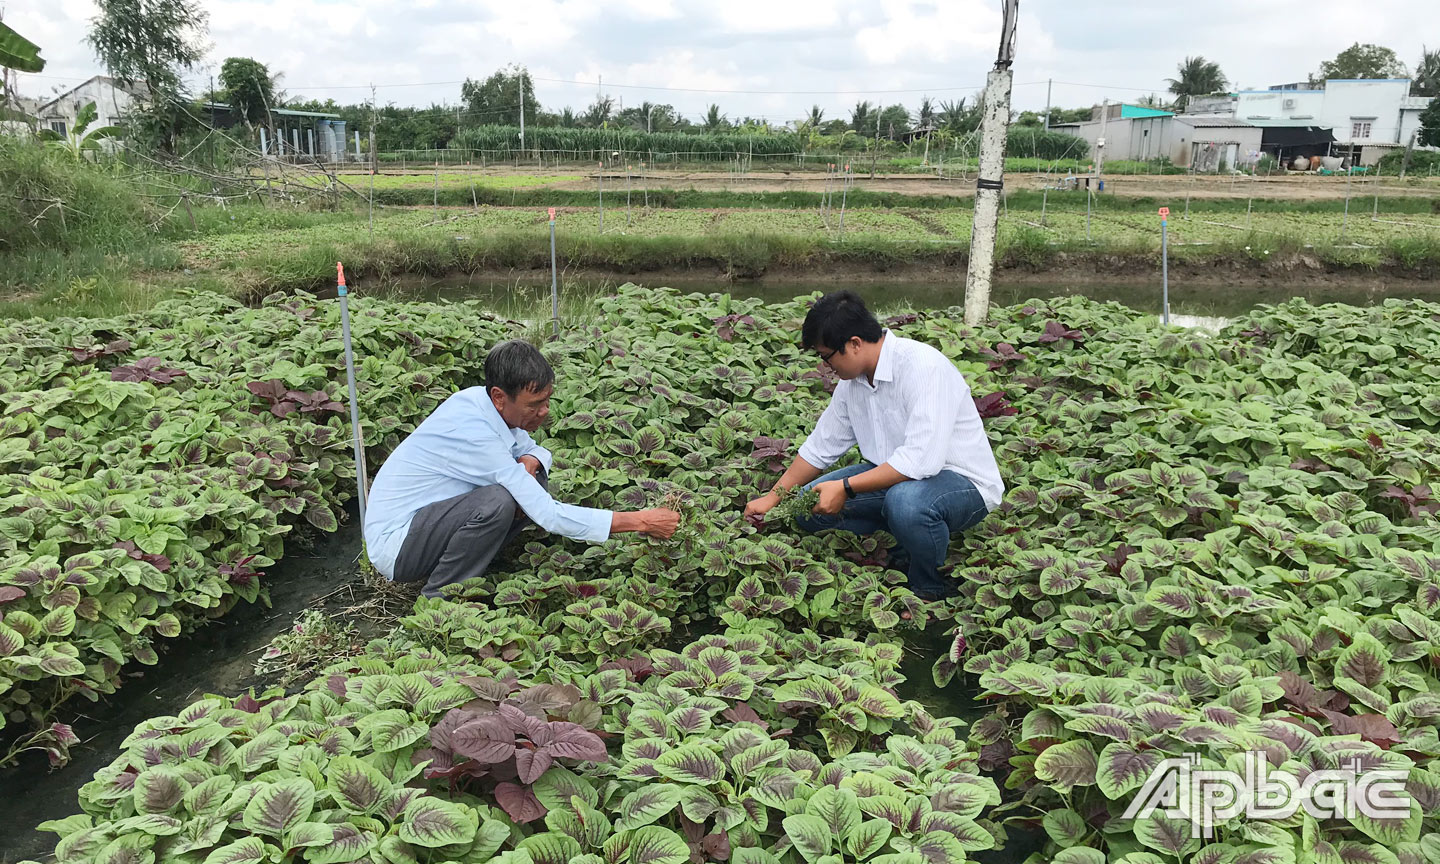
(517, 365)
(835, 319)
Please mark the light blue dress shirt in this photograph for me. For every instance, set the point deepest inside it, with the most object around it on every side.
(465, 444)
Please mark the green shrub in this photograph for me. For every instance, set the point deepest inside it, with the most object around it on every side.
(1421, 162)
(53, 201)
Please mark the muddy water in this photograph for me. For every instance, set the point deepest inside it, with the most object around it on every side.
(218, 658)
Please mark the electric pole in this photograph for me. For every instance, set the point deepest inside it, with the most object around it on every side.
(522, 114)
(991, 184)
(1049, 83)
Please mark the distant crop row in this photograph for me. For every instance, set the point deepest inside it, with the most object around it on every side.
(1267, 231)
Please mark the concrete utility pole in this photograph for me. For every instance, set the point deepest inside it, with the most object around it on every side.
(1049, 83)
(522, 114)
(991, 183)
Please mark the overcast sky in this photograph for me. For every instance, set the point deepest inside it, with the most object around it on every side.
(417, 51)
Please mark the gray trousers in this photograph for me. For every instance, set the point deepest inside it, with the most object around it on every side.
(456, 539)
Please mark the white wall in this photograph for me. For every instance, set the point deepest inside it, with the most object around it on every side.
(1346, 101)
(1268, 107)
(1410, 117)
(1129, 138)
(111, 103)
(1247, 139)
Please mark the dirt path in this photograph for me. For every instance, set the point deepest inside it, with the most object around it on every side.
(219, 658)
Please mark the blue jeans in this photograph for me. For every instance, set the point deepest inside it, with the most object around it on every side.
(921, 514)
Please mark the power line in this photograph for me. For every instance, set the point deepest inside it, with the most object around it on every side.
(657, 87)
(1098, 86)
(580, 83)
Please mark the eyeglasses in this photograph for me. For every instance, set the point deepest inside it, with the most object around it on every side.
(825, 358)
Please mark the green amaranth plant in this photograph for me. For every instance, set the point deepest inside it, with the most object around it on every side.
(1209, 545)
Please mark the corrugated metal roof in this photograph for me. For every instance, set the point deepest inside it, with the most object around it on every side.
(284, 112)
(1214, 122)
(292, 113)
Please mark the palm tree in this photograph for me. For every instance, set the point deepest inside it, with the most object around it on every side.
(953, 114)
(1153, 100)
(860, 116)
(925, 117)
(646, 109)
(568, 120)
(817, 116)
(599, 111)
(1427, 74)
(1198, 77)
(714, 120)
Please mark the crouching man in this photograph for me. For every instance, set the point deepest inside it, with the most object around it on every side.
(928, 472)
(470, 477)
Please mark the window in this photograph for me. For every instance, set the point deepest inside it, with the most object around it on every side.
(1360, 127)
(58, 127)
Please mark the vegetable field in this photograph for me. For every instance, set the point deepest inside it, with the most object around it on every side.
(1210, 545)
(502, 233)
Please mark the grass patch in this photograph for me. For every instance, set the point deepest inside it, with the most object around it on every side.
(861, 198)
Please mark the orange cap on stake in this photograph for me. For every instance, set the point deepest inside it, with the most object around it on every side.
(339, 273)
(552, 214)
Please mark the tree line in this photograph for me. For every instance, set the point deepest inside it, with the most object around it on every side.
(152, 43)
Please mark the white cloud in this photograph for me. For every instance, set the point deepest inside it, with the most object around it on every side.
(336, 49)
(912, 32)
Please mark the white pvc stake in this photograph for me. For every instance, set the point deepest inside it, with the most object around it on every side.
(825, 197)
(1345, 219)
(360, 484)
(554, 279)
(1165, 266)
(601, 175)
(1088, 197)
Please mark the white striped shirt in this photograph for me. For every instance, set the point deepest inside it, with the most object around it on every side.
(918, 416)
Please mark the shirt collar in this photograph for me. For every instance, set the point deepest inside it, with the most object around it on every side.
(885, 365)
(488, 412)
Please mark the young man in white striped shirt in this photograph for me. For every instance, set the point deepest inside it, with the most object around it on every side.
(928, 471)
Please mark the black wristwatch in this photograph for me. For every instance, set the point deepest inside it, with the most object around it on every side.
(849, 493)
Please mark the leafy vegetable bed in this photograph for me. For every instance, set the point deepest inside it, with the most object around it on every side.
(153, 465)
(1210, 545)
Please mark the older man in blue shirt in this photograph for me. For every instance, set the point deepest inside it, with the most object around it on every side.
(468, 478)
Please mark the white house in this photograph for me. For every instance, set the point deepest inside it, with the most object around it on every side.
(1367, 116)
(112, 98)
